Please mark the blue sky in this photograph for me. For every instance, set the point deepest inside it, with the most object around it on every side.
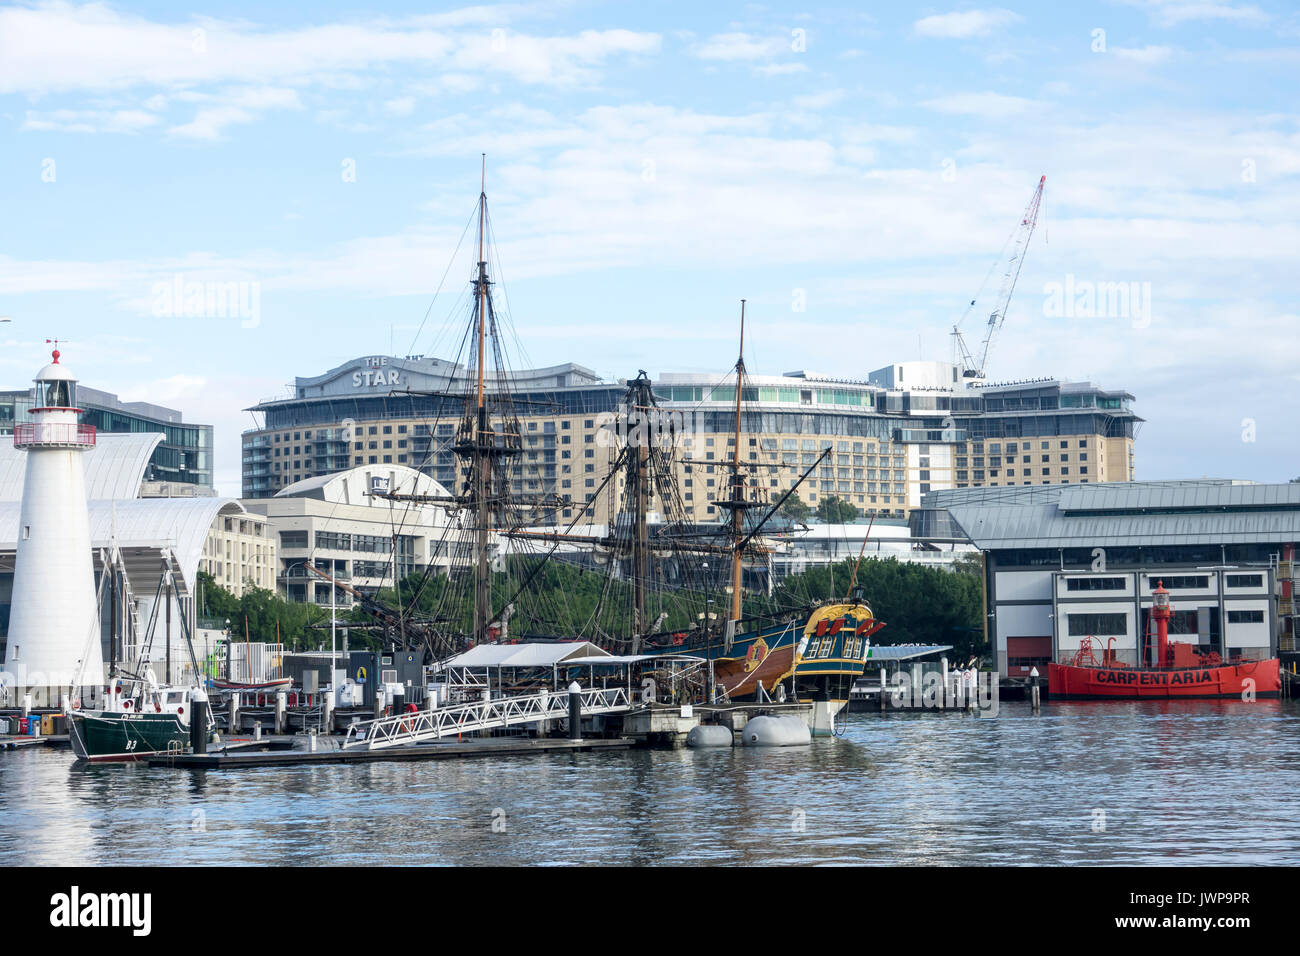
(649, 165)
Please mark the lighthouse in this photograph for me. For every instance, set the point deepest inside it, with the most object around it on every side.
(53, 647)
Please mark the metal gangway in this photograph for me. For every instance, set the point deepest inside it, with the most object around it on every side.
(425, 725)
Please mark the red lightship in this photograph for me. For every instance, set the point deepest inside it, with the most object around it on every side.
(1181, 670)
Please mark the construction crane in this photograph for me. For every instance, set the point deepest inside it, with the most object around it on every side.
(970, 368)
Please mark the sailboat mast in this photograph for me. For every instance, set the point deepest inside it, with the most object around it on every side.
(737, 484)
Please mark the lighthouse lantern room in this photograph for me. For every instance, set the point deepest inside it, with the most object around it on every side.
(54, 648)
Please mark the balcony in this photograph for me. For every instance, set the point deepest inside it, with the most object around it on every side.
(53, 435)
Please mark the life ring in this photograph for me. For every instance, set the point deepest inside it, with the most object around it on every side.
(76, 703)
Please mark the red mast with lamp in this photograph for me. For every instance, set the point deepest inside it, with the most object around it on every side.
(1161, 612)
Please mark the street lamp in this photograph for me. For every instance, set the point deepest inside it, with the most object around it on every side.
(333, 617)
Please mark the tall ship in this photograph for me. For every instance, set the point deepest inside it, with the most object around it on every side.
(1167, 669)
(811, 652)
(646, 581)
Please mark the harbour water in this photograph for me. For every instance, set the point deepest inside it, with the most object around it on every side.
(1197, 782)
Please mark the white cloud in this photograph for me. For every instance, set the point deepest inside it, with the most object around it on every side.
(1145, 56)
(210, 124)
(1170, 13)
(781, 69)
(971, 23)
(89, 121)
(400, 106)
(174, 388)
(987, 105)
(575, 197)
(741, 46)
(56, 45)
(817, 101)
(231, 107)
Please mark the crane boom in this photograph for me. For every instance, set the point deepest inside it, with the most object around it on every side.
(1020, 238)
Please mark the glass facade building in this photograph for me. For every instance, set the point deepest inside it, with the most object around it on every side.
(184, 456)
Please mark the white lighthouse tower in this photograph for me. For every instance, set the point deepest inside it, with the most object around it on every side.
(54, 647)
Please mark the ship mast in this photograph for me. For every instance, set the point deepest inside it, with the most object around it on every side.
(477, 443)
(481, 462)
(738, 502)
(737, 484)
(639, 425)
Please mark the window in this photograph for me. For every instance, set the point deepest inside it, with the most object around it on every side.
(1094, 584)
(1180, 582)
(1244, 580)
(1245, 617)
(1097, 625)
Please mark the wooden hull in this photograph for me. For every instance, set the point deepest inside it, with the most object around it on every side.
(741, 679)
(1260, 678)
(821, 656)
(266, 686)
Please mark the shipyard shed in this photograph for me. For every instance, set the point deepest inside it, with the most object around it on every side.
(1066, 565)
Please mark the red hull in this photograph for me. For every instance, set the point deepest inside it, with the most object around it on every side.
(1163, 683)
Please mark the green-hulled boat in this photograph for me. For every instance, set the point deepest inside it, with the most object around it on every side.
(155, 721)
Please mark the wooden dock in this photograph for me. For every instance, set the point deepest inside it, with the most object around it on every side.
(19, 742)
(449, 750)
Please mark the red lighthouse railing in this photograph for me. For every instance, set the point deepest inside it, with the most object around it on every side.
(54, 435)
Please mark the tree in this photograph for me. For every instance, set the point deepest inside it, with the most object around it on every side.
(835, 510)
(271, 619)
(919, 604)
(795, 508)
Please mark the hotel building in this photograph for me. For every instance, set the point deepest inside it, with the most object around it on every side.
(895, 435)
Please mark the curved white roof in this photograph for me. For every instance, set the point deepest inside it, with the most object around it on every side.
(144, 526)
(115, 467)
(54, 372)
(350, 487)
